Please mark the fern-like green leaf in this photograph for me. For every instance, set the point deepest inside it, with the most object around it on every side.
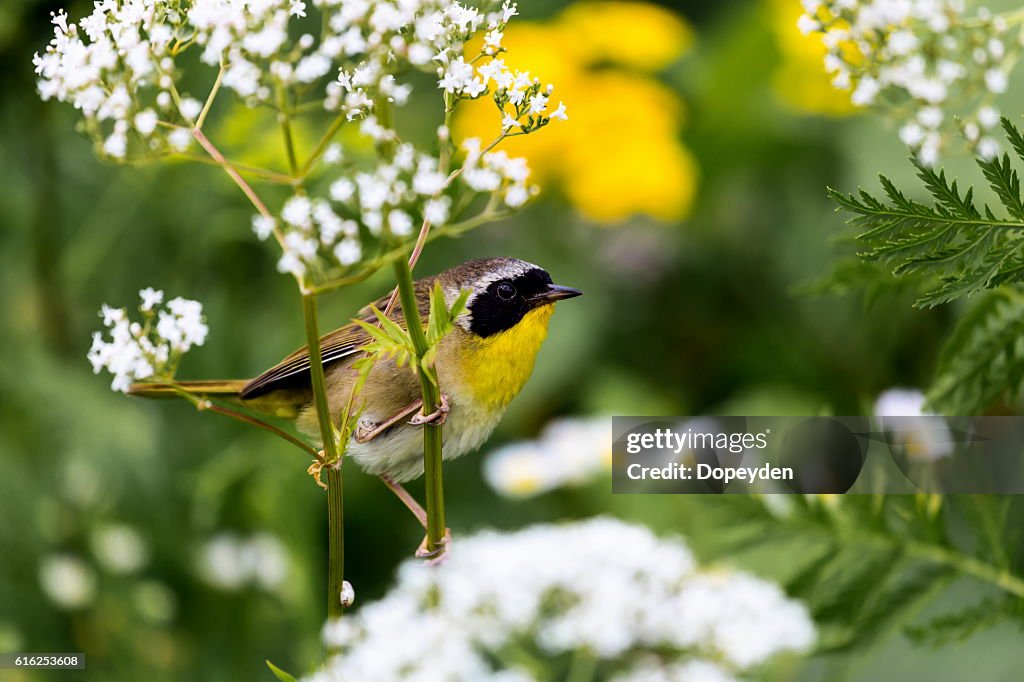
(957, 626)
(984, 358)
(964, 249)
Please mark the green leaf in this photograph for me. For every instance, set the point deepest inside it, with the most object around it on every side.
(280, 674)
(852, 581)
(893, 607)
(1003, 180)
(957, 626)
(984, 358)
(393, 329)
(951, 244)
(389, 341)
(442, 319)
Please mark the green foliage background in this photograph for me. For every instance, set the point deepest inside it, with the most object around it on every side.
(699, 317)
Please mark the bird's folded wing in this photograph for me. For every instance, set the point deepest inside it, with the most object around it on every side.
(294, 369)
(341, 343)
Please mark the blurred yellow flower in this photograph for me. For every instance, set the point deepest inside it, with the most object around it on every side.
(619, 154)
(800, 80)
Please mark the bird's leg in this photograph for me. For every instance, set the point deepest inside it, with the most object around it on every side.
(437, 417)
(439, 554)
(408, 500)
(366, 432)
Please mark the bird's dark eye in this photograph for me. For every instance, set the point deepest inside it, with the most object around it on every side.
(506, 291)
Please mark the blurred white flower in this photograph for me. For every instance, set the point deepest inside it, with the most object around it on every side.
(610, 589)
(68, 581)
(230, 562)
(924, 436)
(988, 117)
(900, 402)
(915, 59)
(119, 548)
(569, 451)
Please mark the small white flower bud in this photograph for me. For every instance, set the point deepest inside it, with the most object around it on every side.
(348, 594)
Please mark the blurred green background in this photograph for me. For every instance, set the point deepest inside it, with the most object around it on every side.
(690, 309)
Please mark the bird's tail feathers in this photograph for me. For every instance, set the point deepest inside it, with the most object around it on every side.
(222, 388)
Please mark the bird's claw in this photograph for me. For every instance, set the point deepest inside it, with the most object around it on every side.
(438, 555)
(365, 431)
(437, 417)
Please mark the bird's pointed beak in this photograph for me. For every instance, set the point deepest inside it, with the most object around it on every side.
(555, 292)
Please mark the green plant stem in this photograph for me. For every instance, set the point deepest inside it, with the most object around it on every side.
(432, 456)
(968, 565)
(335, 508)
(209, 100)
(286, 131)
(247, 189)
(262, 173)
(336, 540)
(582, 668)
(321, 146)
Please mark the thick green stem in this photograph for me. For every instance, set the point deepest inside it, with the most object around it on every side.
(432, 460)
(336, 541)
(336, 519)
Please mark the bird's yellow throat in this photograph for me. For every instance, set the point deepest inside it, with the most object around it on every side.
(495, 368)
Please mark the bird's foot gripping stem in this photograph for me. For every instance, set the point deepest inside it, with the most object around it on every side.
(437, 417)
(367, 431)
(438, 555)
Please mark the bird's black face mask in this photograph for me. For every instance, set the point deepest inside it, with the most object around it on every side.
(504, 303)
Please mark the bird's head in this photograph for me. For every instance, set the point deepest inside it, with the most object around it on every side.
(503, 291)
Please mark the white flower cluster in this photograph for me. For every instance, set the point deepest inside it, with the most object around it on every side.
(430, 35)
(149, 349)
(610, 589)
(569, 451)
(496, 172)
(100, 65)
(926, 62)
(250, 37)
(394, 199)
(118, 66)
(229, 562)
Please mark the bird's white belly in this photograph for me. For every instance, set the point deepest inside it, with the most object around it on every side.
(399, 452)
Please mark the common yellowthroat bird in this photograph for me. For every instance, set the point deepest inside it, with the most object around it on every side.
(482, 365)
